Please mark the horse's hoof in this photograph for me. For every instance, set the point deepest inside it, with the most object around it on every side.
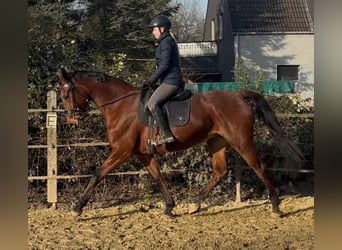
(76, 210)
(168, 212)
(75, 213)
(194, 207)
(277, 213)
(170, 215)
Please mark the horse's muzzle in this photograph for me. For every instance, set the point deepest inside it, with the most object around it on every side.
(73, 117)
(72, 120)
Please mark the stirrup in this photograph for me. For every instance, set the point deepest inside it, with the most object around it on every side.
(167, 139)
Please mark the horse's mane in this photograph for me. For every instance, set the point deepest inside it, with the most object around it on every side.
(96, 77)
(91, 75)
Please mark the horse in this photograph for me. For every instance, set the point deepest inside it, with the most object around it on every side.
(223, 120)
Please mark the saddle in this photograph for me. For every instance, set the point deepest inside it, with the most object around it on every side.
(177, 109)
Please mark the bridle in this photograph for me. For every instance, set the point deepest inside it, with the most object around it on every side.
(72, 94)
(81, 111)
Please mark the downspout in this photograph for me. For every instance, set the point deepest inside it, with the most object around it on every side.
(236, 51)
(237, 45)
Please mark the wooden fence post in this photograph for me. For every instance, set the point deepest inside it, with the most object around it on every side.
(238, 170)
(51, 125)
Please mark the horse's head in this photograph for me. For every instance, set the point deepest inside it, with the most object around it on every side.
(74, 98)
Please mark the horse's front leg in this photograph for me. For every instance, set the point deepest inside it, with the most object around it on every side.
(152, 167)
(113, 161)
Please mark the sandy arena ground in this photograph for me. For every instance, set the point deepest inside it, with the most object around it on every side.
(246, 225)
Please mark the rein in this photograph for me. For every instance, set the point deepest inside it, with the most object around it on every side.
(78, 110)
(119, 98)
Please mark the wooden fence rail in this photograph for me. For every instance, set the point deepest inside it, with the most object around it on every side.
(52, 175)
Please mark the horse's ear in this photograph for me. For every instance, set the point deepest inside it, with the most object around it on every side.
(62, 74)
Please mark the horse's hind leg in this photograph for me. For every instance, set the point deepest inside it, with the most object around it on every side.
(217, 149)
(152, 167)
(252, 159)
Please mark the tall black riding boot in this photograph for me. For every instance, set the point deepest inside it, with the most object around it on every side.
(162, 123)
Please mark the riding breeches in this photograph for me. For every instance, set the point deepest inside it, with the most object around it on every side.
(161, 95)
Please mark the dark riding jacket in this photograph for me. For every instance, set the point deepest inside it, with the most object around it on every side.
(167, 61)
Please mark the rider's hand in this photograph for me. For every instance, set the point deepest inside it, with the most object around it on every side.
(149, 84)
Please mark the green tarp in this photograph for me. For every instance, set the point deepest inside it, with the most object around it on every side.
(269, 87)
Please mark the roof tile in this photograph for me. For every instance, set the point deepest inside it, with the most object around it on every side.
(270, 16)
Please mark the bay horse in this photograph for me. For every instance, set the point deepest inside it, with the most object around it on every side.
(222, 119)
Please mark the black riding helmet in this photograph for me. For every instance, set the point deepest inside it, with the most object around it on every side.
(160, 21)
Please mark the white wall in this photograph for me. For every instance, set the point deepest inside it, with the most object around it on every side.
(270, 50)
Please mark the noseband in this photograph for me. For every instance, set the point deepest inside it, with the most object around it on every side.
(77, 110)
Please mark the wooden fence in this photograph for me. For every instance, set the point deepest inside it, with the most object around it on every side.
(52, 175)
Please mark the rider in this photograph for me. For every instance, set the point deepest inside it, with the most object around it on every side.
(167, 74)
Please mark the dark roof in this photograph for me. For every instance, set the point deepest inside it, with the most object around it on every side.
(202, 64)
(270, 16)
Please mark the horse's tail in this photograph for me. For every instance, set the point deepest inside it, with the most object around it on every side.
(264, 113)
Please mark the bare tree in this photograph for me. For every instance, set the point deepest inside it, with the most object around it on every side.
(188, 22)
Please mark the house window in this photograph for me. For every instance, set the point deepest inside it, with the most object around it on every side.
(220, 31)
(212, 30)
(287, 72)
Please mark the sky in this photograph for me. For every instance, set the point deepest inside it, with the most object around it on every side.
(202, 4)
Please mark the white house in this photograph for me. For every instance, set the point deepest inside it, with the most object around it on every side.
(277, 35)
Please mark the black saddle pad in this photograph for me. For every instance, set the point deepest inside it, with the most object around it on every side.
(177, 109)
